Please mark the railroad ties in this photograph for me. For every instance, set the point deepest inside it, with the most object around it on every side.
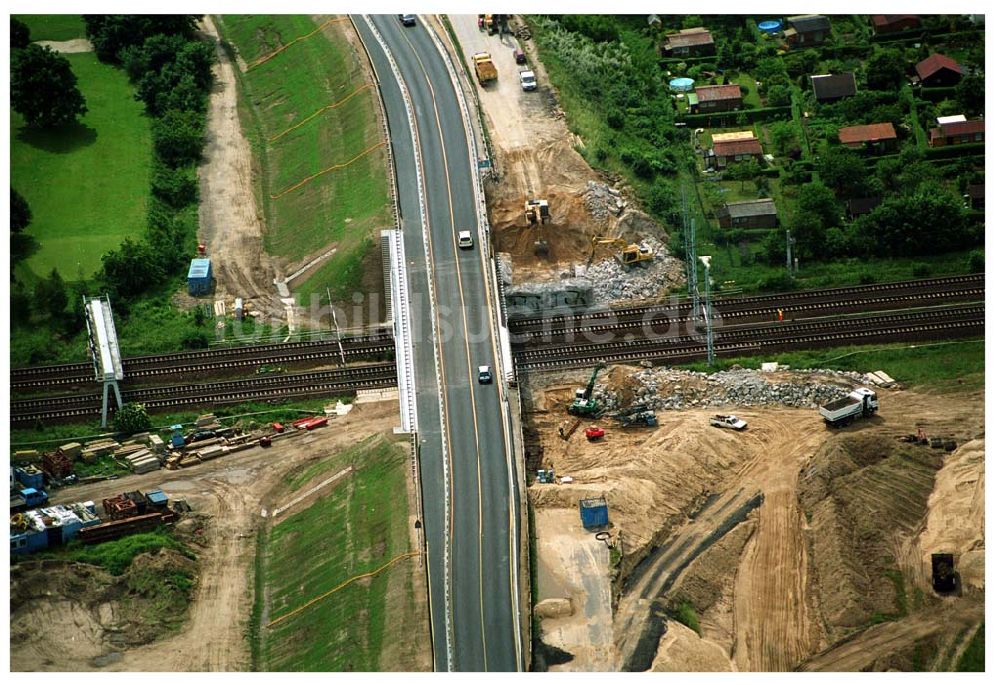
(907, 311)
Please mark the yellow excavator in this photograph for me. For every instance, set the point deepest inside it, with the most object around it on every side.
(628, 253)
(536, 212)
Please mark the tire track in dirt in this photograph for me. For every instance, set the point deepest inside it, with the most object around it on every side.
(213, 636)
(772, 623)
(861, 650)
(230, 224)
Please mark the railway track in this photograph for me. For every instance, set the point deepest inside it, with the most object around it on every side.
(654, 318)
(33, 379)
(954, 321)
(348, 379)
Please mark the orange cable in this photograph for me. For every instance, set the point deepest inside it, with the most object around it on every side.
(290, 44)
(327, 170)
(318, 112)
(342, 586)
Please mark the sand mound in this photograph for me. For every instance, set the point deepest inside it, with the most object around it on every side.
(682, 650)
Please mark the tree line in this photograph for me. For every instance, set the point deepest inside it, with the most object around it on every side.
(170, 67)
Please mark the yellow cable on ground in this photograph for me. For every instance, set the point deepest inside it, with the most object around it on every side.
(327, 170)
(318, 112)
(290, 44)
(342, 586)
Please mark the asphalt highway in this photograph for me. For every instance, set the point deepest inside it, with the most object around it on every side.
(475, 533)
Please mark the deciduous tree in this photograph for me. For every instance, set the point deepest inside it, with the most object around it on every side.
(20, 34)
(885, 69)
(43, 88)
(132, 418)
(20, 212)
(50, 295)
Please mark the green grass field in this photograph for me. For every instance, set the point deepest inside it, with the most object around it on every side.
(53, 26)
(356, 528)
(87, 185)
(344, 205)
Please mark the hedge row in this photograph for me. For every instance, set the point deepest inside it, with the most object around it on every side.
(720, 119)
(952, 151)
(171, 69)
(936, 94)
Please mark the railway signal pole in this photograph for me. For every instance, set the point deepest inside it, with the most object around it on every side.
(689, 242)
(706, 260)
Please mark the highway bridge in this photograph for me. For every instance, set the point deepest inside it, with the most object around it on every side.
(468, 478)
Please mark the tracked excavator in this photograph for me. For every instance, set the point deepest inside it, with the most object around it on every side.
(628, 254)
(536, 213)
(585, 404)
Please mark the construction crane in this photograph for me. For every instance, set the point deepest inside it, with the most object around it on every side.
(628, 254)
(585, 404)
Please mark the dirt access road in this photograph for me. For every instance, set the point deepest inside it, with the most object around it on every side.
(230, 493)
(230, 225)
(535, 156)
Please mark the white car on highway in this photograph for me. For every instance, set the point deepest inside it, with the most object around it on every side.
(465, 240)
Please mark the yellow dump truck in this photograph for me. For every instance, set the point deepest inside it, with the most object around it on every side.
(486, 71)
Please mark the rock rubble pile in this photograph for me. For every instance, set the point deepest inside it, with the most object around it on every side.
(613, 281)
(662, 388)
(603, 201)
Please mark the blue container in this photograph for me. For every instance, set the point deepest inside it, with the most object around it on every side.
(770, 27)
(681, 84)
(156, 498)
(32, 479)
(200, 276)
(28, 542)
(594, 512)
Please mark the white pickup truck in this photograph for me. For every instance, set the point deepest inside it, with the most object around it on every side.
(732, 422)
(861, 402)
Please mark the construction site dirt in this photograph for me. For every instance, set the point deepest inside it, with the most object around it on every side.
(534, 156)
(793, 545)
(227, 496)
(230, 225)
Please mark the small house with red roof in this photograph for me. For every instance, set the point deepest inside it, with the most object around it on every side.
(894, 23)
(958, 133)
(938, 71)
(696, 41)
(877, 137)
(718, 98)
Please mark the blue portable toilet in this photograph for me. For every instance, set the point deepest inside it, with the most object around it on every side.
(594, 512)
(177, 438)
(200, 276)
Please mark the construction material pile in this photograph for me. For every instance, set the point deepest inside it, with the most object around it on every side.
(614, 281)
(603, 201)
(663, 388)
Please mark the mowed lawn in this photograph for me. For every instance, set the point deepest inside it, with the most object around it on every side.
(325, 182)
(53, 26)
(358, 525)
(88, 184)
